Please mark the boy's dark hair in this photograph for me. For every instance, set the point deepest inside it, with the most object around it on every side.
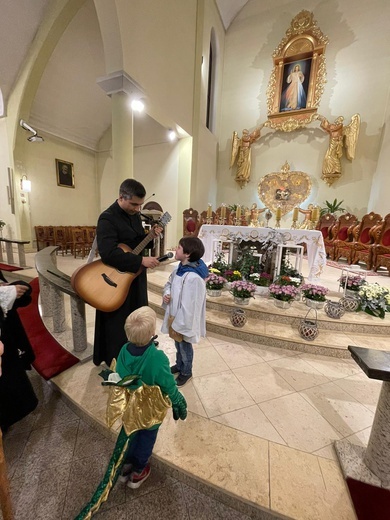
(192, 246)
(130, 188)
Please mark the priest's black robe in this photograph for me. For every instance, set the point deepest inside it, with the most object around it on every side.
(114, 227)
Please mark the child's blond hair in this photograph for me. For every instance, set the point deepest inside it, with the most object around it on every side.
(140, 326)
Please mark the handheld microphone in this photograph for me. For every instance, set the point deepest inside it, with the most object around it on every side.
(165, 257)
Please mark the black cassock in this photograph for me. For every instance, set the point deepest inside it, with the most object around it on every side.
(114, 227)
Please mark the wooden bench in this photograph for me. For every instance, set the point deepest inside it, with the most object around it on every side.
(10, 254)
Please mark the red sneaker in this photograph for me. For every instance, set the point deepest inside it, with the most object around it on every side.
(136, 479)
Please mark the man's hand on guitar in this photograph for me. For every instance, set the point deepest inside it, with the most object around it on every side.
(157, 229)
(150, 262)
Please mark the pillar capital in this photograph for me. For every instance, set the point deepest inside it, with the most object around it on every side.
(118, 82)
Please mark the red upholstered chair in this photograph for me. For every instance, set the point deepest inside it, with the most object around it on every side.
(361, 239)
(325, 225)
(381, 250)
(228, 216)
(341, 231)
(191, 223)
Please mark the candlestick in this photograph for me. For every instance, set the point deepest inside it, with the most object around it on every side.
(295, 213)
(209, 211)
(315, 213)
(223, 211)
(278, 213)
(238, 212)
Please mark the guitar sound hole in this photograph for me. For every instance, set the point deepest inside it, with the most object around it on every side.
(108, 280)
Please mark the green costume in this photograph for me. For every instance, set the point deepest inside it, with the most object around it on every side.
(141, 404)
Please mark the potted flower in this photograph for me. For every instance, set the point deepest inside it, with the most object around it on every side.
(283, 295)
(374, 299)
(231, 276)
(242, 291)
(289, 280)
(214, 284)
(314, 295)
(262, 282)
(351, 284)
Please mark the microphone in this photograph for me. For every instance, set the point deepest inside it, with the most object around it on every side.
(165, 257)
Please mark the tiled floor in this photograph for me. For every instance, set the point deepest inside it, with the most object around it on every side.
(280, 408)
(56, 460)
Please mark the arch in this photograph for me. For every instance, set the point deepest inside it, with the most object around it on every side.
(213, 57)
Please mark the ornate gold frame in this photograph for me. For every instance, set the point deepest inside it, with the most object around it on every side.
(297, 183)
(304, 43)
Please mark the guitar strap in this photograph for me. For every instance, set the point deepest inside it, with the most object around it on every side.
(92, 253)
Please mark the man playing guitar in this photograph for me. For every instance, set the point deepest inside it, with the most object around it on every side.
(121, 224)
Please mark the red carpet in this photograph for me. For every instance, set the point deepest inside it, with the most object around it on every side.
(371, 503)
(7, 267)
(50, 357)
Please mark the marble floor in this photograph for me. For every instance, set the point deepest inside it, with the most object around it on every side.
(262, 420)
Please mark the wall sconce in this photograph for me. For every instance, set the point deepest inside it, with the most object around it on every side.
(137, 105)
(35, 138)
(171, 135)
(25, 184)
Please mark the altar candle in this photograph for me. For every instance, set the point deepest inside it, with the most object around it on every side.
(209, 211)
(315, 213)
(238, 212)
(295, 213)
(278, 213)
(223, 211)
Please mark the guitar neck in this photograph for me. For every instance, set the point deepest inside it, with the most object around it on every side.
(150, 236)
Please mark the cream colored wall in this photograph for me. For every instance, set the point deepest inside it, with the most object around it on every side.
(158, 41)
(9, 230)
(50, 204)
(358, 81)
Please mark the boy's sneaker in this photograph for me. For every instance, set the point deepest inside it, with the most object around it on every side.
(182, 380)
(174, 369)
(125, 473)
(136, 479)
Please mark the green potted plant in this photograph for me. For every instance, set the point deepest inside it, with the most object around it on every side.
(262, 282)
(374, 299)
(332, 207)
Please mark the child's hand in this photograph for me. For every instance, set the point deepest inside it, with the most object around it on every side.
(167, 298)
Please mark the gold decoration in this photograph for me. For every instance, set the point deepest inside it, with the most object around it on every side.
(339, 136)
(241, 153)
(298, 77)
(284, 190)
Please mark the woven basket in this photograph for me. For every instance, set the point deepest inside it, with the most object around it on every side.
(308, 329)
(334, 309)
(238, 317)
(350, 304)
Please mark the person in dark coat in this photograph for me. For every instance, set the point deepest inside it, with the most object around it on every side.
(121, 224)
(17, 396)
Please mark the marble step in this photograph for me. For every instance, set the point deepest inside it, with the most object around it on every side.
(263, 309)
(283, 335)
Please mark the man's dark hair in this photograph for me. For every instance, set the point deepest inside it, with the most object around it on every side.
(192, 246)
(131, 188)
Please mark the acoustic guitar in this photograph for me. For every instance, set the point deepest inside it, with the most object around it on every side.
(103, 286)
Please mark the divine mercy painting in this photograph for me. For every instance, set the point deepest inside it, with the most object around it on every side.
(295, 85)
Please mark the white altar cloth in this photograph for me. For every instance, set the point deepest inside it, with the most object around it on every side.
(316, 255)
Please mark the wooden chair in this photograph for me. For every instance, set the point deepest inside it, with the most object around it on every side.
(381, 250)
(204, 218)
(191, 222)
(341, 234)
(325, 225)
(79, 245)
(365, 252)
(60, 239)
(89, 236)
(361, 240)
(228, 216)
(40, 236)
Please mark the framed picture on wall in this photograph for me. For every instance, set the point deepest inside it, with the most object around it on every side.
(65, 174)
(299, 75)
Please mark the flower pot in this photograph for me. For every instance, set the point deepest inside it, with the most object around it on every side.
(281, 304)
(262, 291)
(352, 294)
(350, 303)
(313, 304)
(228, 285)
(214, 292)
(241, 301)
(238, 318)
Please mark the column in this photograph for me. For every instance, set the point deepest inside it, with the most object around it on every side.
(57, 298)
(79, 328)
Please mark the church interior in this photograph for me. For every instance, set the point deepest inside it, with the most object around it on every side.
(244, 120)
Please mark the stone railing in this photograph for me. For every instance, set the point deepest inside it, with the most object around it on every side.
(53, 284)
(10, 254)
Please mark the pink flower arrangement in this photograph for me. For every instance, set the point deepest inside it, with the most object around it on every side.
(314, 292)
(285, 293)
(243, 289)
(354, 282)
(215, 282)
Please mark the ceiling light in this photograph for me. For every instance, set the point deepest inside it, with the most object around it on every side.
(172, 135)
(137, 105)
(25, 184)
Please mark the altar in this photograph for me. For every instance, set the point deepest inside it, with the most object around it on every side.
(316, 255)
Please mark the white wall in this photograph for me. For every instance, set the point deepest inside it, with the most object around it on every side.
(5, 209)
(358, 75)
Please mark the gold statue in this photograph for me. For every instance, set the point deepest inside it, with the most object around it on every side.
(338, 136)
(241, 151)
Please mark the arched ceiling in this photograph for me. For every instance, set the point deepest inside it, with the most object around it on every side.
(68, 103)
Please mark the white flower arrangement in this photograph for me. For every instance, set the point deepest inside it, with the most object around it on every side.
(374, 299)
